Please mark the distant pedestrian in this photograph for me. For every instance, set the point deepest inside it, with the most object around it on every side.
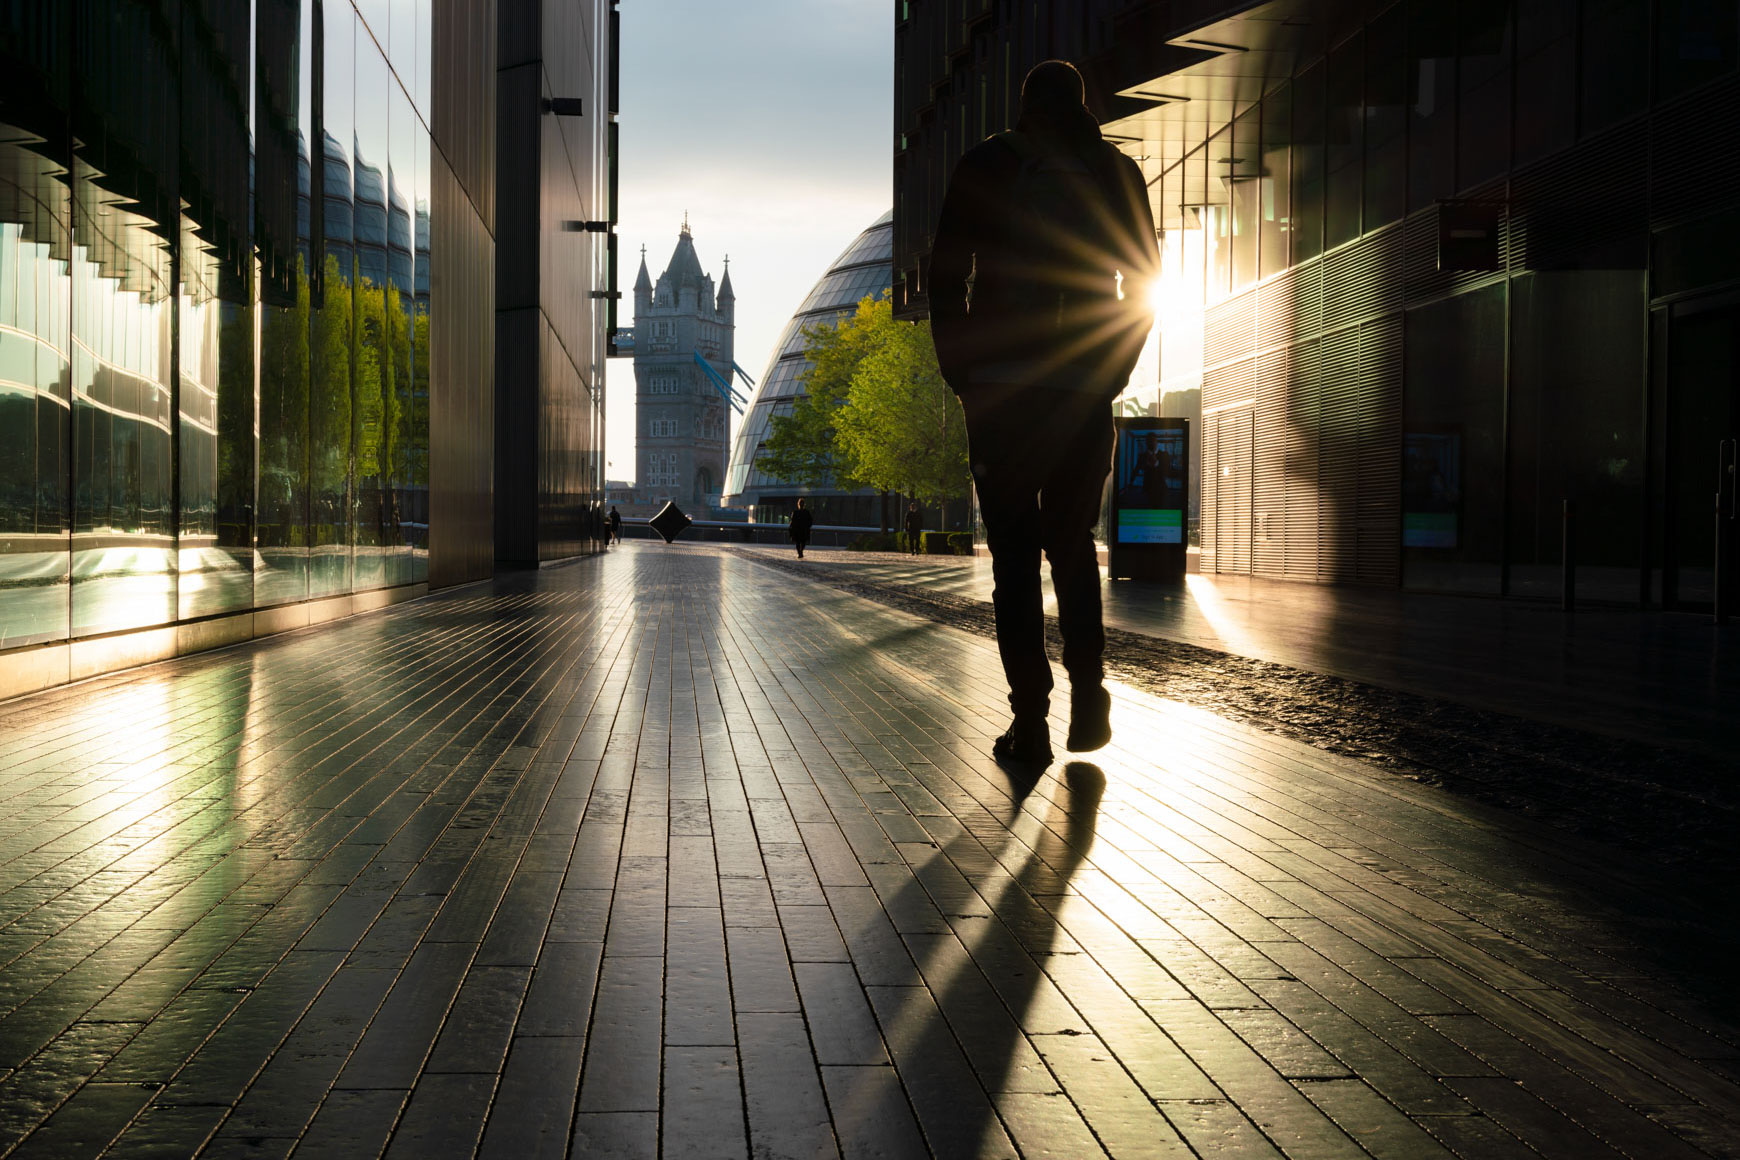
(615, 525)
(799, 528)
(914, 527)
(1052, 226)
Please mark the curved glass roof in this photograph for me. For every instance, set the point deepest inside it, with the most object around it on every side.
(864, 267)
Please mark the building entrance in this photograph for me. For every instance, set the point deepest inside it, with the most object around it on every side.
(1701, 392)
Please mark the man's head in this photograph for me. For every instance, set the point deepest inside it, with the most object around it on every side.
(800, 501)
(1052, 104)
(1052, 88)
(912, 506)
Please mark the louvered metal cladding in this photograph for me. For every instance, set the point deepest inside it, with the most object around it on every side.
(1228, 331)
(1701, 132)
(1277, 308)
(1269, 485)
(1363, 279)
(1586, 206)
(1300, 443)
(1301, 457)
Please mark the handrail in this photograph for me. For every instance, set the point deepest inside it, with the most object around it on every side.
(755, 526)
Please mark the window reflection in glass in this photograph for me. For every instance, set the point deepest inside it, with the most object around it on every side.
(123, 538)
(375, 419)
(217, 388)
(1308, 131)
(1244, 190)
(215, 430)
(1432, 116)
(330, 312)
(1386, 119)
(35, 388)
(1483, 120)
(1345, 143)
(1546, 77)
(1276, 212)
(283, 119)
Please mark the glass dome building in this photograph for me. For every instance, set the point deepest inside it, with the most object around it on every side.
(864, 267)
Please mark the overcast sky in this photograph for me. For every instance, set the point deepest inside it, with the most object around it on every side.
(769, 122)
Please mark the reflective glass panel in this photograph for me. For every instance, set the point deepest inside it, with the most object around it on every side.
(331, 315)
(375, 419)
(1308, 164)
(1453, 444)
(1386, 119)
(1483, 122)
(35, 387)
(218, 392)
(124, 223)
(1615, 66)
(1546, 77)
(1432, 101)
(1244, 190)
(1277, 222)
(1346, 131)
(283, 124)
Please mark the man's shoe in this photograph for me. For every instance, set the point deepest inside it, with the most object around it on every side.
(1090, 718)
(1026, 742)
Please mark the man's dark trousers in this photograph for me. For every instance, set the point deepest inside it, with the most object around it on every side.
(1040, 457)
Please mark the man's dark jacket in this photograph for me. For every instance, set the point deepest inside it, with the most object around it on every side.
(977, 238)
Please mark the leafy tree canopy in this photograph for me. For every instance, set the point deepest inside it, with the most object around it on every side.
(901, 426)
(801, 447)
(876, 412)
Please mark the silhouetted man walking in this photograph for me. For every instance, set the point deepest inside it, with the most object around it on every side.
(914, 527)
(1042, 232)
(799, 528)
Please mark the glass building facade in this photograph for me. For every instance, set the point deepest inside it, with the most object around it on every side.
(1440, 272)
(225, 321)
(861, 270)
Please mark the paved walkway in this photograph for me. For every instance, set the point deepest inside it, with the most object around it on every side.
(669, 853)
(1670, 679)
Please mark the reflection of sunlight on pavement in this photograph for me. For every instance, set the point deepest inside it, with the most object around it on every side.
(1223, 621)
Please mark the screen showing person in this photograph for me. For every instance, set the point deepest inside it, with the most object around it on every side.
(1151, 487)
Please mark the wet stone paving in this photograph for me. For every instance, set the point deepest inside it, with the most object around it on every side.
(670, 853)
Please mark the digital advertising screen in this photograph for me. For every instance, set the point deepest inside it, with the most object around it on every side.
(1150, 485)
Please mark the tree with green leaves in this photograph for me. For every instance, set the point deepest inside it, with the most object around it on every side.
(876, 412)
(901, 426)
(801, 447)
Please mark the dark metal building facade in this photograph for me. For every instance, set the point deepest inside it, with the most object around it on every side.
(1436, 269)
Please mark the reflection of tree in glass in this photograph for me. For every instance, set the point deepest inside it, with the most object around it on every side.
(330, 414)
(235, 420)
(284, 417)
